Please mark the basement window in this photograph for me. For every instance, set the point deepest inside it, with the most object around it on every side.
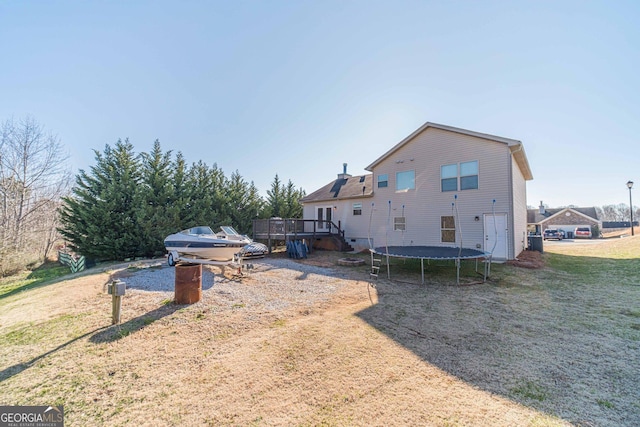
(447, 229)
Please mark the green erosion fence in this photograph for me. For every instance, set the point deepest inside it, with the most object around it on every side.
(74, 263)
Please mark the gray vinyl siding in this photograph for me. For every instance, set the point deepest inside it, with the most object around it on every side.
(309, 211)
(355, 226)
(424, 206)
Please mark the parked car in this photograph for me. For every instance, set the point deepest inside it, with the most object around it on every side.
(582, 232)
(552, 233)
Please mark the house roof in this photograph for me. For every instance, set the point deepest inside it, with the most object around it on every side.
(535, 217)
(345, 187)
(516, 147)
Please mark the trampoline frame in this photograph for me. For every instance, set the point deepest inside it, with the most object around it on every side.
(387, 251)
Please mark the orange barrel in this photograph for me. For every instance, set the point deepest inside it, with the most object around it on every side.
(188, 283)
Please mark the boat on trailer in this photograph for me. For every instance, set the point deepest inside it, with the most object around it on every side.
(201, 243)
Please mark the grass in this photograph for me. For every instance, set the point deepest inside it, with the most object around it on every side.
(32, 333)
(544, 347)
(32, 279)
(442, 271)
(605, 403)
(550, 324)
(279, 323)
(530, 390)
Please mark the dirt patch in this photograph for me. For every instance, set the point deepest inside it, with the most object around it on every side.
(528, 259)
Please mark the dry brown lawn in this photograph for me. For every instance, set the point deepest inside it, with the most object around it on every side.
(539, 347)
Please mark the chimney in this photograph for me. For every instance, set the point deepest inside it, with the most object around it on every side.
(542, 210)
(344, 174)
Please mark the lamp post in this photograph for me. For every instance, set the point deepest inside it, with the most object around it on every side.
(629, 186)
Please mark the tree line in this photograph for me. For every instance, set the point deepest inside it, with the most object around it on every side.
(123, 206)
(617, 213)
(126, 204)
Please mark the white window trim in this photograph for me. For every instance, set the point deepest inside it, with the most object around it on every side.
(460, 176)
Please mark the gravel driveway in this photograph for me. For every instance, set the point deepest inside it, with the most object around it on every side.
(272, 283)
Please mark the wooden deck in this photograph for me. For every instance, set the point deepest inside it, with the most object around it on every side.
(286, 229)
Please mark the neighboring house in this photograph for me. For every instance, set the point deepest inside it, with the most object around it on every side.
(408, 199)
(565, 219)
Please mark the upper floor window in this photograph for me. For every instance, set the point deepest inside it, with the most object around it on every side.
(383, 180)
(466, 173)
(357, 208)
(449, 177)
(469, 175)
(405, 180)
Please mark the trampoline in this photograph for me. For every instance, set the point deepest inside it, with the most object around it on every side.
(432, 252)
(456, 254)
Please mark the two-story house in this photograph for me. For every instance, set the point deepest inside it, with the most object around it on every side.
(440, 186)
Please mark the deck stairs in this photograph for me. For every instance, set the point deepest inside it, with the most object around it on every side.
(344, 245)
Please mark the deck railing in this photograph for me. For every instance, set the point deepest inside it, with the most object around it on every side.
(286, 228)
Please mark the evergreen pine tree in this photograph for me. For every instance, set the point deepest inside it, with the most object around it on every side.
(221, 198)
(156, 213)
(275, 199)
(100, 217)
(292, 196)
(199, 201)
(244, 204)
(179, 206)
(126, 205)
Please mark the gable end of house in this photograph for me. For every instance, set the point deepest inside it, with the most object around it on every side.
(515, 146)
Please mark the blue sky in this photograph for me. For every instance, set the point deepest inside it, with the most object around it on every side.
(297, 88)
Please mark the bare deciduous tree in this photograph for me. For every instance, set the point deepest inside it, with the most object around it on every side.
(619, 212)
(33, 176)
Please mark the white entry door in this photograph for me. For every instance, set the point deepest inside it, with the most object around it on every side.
(324, 218)
(495, 235)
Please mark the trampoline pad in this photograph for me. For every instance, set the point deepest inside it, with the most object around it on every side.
(430, 252)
